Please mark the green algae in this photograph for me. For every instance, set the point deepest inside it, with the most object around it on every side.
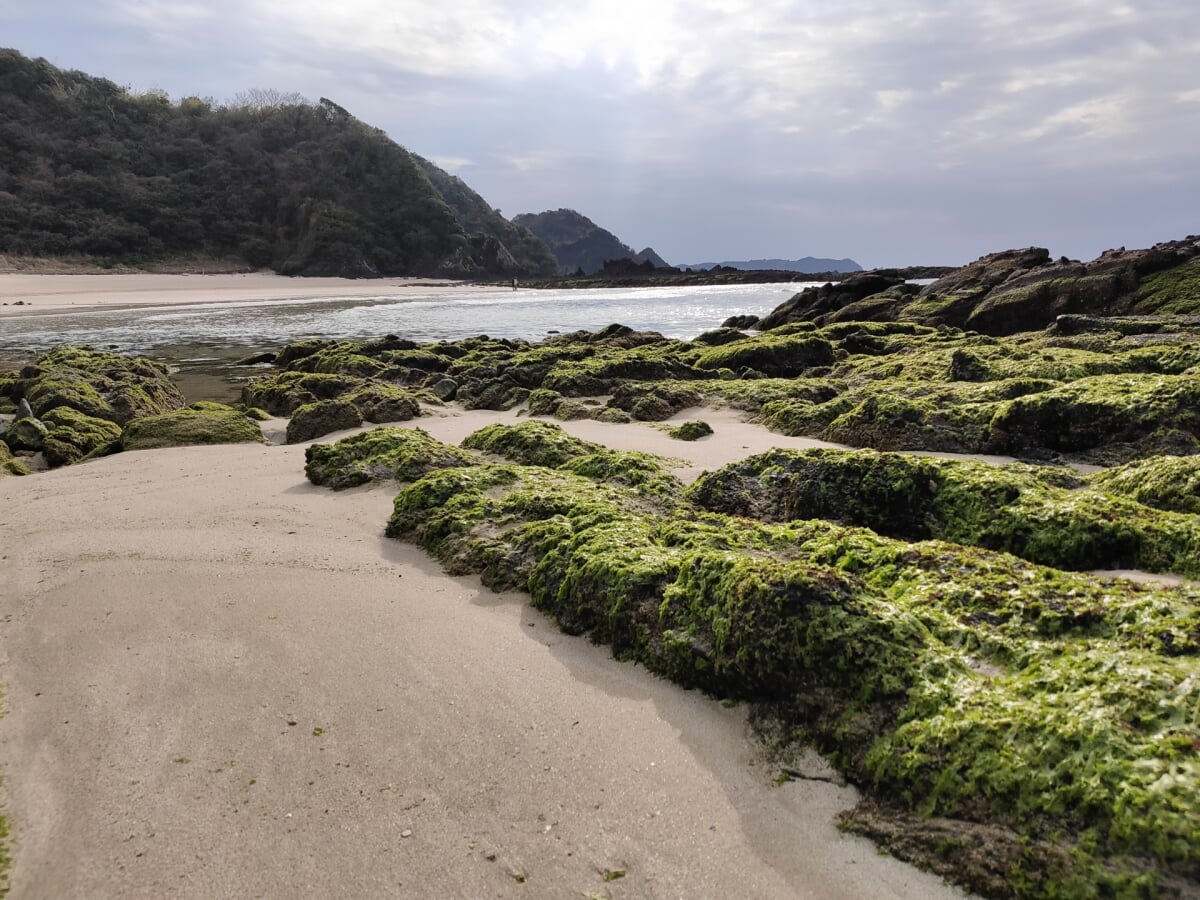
(10, 465)
(531, 443)
(691, 431)
(73, 436)
(198, 425)
(1174, 290)
(1043, 515)
(957, 681)
(772, 353)
(381, 454)
(1164, 482)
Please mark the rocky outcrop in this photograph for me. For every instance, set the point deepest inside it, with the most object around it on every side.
(817, 304)
(1013, 291)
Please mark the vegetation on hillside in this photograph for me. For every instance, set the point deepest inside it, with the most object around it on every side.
(93, 169)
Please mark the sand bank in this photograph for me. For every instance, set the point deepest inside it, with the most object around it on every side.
(58, 293)
(221, 680)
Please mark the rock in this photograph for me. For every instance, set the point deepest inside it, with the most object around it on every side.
(23, 410)
(384, 403)
(316, 419)
(199, 424)
(719, 336)
(691, 431)
(813, 304)
(444, 388)
(398, 454)
(739, 322)
(775, 355)
(8, 464)
(26, 434)
(73, 436)
(257, 359)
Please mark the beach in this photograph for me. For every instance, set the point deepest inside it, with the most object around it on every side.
(221, 680)
(25, 294)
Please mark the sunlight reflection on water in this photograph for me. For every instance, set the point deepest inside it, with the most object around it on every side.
(675, 311)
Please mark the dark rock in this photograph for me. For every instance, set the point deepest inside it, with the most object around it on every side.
(26, 435)
(444, 388)
(814, 304)
(743, 321)
(258, 359)
(316, 419)
(23, 410)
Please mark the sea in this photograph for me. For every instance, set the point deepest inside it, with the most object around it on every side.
(203, 341)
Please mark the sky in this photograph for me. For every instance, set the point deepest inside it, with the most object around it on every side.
(894, 132)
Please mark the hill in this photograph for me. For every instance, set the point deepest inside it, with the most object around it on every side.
(92, 169)
(809, 265)
(580, 244)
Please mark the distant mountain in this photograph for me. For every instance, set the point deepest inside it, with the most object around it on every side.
(579, 243)
(807, 264)
(93, 169)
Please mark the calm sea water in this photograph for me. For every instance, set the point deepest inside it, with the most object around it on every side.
(202, 341)
(531, 314)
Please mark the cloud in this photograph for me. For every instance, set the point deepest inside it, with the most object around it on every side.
(862, 117)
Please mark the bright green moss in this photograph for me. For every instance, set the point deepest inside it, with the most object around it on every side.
(212, 423)
(691, 431)
(73, 435)
(283, 394)
(1172, 291)
(955, 680)
(1164, 482)
(531, 443)
(9, 465)
(381, 454)
(771, 353)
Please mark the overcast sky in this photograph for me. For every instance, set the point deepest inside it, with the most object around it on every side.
(892, 131)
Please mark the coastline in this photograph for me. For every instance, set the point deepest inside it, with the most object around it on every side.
(446, 739)
(42, 294)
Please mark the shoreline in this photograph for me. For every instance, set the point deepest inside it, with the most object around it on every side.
(238, 685)
(26, 294)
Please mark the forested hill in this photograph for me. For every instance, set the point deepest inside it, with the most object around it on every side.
(579, 244)
(91, 168)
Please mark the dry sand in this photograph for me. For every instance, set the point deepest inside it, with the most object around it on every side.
(56, 293)
(223, 681)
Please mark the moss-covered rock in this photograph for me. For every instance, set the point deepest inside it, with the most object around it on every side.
(774, 355)
(380, 403)
(200, 424)
(312, 420)
(1042, 515)
(1092, 412)
(100, 384)
(531, 443)
(286, 392)
(381, 454)
(543, 402)
(26, 435)
(10, 465)
(1164, 482)
(691, 431)
(73, 436)
(1059, 709)
(654, 401)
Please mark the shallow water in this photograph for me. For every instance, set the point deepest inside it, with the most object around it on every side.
(678, 312)
(203, 341)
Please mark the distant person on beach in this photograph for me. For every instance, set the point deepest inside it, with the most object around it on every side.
(514, 284)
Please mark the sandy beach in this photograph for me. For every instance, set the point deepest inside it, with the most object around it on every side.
(24, 294)
(220, 680)
(223, 681)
